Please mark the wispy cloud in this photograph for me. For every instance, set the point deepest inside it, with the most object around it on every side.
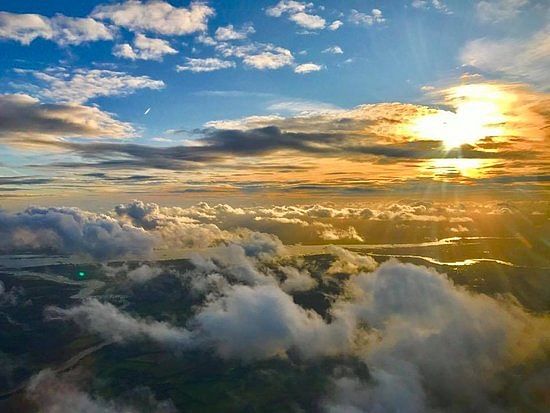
(495, 11)
(518, 59)
(210, 64)
(438, 5)
(81, 85)
(364, 19)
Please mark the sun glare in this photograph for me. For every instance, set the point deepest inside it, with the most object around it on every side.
(479, 113)
(465, 167)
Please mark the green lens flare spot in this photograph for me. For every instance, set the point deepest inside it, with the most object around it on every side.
(81, 274)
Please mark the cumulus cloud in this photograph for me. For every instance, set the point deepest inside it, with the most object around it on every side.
(263, 321)
(526, 59)
(365, 19)
(299, 13)
(439, 344)
(73, 30)
(308, 21)
(144, 48)
(156, 16)
(143, 273)
(333, 234)
(63, 30)
(25, 121)
(262, 56)
(269, 59)
(81, 85)
(175, 227)
(333, 50)
(349, 262)
(24, 28)
(296, 279)
(71, 231)
(307, 68)
(243, 231)
(428, 344)
(459, 229)
(335, 25)
(499, 10)
(209, 64)
(229, 33)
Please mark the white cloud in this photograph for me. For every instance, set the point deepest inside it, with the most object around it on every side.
(296, 279)
(82, 85)
(72, 30)
(262, 56)
(300, 106)
(24, 27)
(72, 231)
(429, 344)
(206, 40)
(329, 233)
(364, 19)
(63, 30)
(333, 50)
(156, 16)
(273, 59)
(433, 341)
(307, 68)
(308, 21)
(287, 6)
(298, 12)
(526, 59)
(143, 273)
(113, 325)
(499, 10)
(210, 64)
(144, 48)
(263, 321)
(229, 32)
(349, 262)
(335, 25)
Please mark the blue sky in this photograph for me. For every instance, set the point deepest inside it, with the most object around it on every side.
(165, 66)
(386, 61)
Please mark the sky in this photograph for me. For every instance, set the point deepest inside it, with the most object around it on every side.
(285, 101)
(356, 188)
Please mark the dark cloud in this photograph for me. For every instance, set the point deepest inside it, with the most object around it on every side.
(24, 180)
(26, 121)
(217, 147)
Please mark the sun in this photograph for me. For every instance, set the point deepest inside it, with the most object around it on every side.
(479, 113)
